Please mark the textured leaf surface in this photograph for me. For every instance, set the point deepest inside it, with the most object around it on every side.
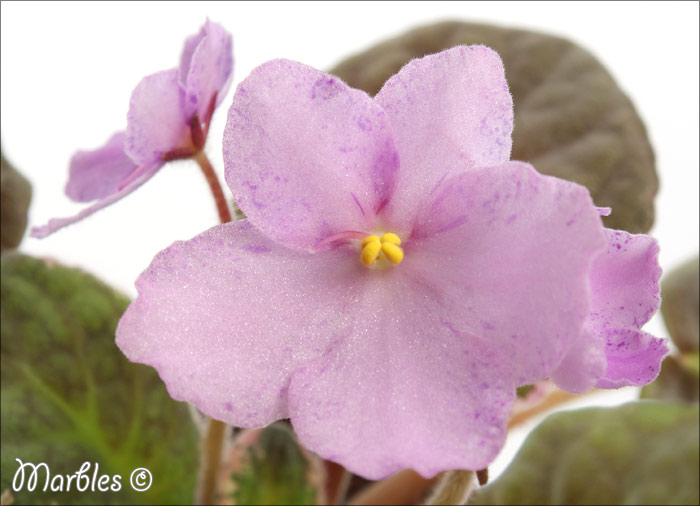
(571, 119)
(70, 396)
(680, 306)
(14, 204)
(638, 453)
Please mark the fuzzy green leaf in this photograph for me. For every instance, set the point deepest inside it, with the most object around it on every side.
(70, 396)
(677, 381)
(638, 453)
(15, 195)
(680, 306)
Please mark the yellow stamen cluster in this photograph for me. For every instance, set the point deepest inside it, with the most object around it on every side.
(388, 244)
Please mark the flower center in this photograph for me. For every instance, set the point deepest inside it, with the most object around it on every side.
(387, 245)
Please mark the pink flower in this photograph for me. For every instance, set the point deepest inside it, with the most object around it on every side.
(168, 118)
(396, 278)
(613, 351)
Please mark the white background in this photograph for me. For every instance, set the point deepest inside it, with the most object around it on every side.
(68, 70)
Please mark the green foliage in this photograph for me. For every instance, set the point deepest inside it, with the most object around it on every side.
(524, 391)
(70, 396)
(274, 472)
(677, 381)
(638, 453)
(15, 193)
(680, 306)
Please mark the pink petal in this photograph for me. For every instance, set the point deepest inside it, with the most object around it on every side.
(99, 173)
(56, 224)
(229, 315)
(210, 69)
(625, 281)
(156, 119)
(508, 252)
(634, 358)
(583, 365)
(307, 156)
(188, 49)
(625, 294)
(402, 389)
(449, 111)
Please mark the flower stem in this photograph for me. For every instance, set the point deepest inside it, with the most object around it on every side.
(214, 186)
(210, 462)
(453, 488)
(404, 487)
(337, 482)
(215, 432)
(552, 400)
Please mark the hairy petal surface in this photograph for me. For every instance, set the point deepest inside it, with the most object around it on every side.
(99, 173)
(229, 315)
(401, 389)
(508, 252)
(307, 156)
(156, 118)
(449, 112)
(625, 294)
(56, 224)
(210, 69)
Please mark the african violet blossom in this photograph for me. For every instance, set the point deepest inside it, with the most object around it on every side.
(397, 277)
(168, 118)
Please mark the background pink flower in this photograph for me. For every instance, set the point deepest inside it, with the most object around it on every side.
(168, 118)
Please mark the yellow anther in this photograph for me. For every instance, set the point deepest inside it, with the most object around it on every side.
(388, 246)
(369, 239)
(392, 252)
(390, 238)
(370, 251)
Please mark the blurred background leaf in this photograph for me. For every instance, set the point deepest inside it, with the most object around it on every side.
(16, 193)
(70, 396)
(274, 471)
(679, 378)
(677, 381)
(680, 296)
(571, 119)
(638, 453)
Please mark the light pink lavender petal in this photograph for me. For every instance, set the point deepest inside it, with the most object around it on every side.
(508, 252)
(188, 49)
(625, 294)
(449, 112)
(625, 282)
(227, 316)
(56, 224)
(402, 389)
(633, 358)
(583, 365)
(307, 156)
(156, 119)
(210, 69)
(99, 173)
